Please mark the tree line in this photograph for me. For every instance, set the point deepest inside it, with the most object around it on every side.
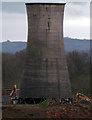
(78, 66)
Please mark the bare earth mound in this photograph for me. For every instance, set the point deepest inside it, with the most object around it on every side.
(43, 112)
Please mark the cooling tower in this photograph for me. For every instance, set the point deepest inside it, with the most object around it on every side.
(45, 73)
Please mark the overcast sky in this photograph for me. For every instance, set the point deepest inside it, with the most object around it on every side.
(76, 21)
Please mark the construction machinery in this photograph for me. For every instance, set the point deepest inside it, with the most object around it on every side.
(11, 94)
(80, 96)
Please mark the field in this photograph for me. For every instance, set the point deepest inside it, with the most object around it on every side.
(47, 111)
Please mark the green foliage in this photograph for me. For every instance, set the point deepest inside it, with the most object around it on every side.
(43, 104)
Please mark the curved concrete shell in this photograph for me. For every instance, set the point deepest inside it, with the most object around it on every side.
(45, 73)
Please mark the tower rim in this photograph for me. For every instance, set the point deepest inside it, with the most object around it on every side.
(45, 3)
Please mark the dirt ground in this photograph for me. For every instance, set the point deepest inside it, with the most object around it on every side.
(31, 111)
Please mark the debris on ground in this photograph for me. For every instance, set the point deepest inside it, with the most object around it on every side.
(50, 112)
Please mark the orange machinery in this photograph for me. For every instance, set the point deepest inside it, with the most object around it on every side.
(82, 97)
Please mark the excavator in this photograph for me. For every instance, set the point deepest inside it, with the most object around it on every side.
(76, 99)
(82, 97)
(11, 94)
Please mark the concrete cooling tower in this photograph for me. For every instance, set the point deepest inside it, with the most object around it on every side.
(45, 72)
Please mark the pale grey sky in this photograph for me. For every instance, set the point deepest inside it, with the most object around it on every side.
(46, 1)
(76, 20)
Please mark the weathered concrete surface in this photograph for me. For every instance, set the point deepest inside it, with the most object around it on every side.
(45, 72)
